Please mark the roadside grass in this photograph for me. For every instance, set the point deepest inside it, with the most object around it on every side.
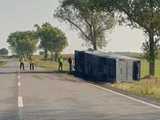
(49, 65)
(2, 63)
(145, 68)
(149, 87)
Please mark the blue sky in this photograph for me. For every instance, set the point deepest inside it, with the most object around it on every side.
(20, 15)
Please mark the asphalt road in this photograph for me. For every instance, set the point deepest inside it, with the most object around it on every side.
(43, 96)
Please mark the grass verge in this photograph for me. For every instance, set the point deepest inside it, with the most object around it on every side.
(149, 87)
(2, 63)
(49, 65)
(145, 68)
(145, 88)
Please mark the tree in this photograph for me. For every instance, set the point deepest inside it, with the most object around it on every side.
(146, 49)
(42, 34)
(91, 24)
(4, 52)
(142, 14)
(52, 39)
(58, 43)
(23, 43)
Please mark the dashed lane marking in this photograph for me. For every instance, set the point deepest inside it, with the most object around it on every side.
(19, 77)
(20, 102)
(20, 98)
(19, 84)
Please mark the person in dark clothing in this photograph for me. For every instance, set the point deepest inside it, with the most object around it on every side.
(31, 64)
(70, 64)
(21, 60)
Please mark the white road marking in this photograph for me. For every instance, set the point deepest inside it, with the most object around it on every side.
(20, 102)
(19, 84)
(20, 98)
(131, 98)
(19, 77)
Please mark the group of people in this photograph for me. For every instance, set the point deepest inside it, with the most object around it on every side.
(22, 63)
(61, 63)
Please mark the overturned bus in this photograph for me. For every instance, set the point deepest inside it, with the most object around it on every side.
(107, 67)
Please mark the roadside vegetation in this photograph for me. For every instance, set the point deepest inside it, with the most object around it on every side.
(49, 65)
(2, 63)
(4, 52)
(145, 68)
(52, 40)
(147, 86)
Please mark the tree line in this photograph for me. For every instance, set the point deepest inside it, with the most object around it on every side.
(92, 18)
(50, 39)
(4, 52)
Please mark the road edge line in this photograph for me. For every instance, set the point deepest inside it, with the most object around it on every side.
(126, 96)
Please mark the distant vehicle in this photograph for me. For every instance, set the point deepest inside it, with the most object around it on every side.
(107, 67)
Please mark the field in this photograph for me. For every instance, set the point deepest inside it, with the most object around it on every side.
(49, 65)
(145, 68)
(2, 63)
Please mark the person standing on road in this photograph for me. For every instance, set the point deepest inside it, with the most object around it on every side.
(21, 60)
(31, 62)
(70, 64)
(60, 63)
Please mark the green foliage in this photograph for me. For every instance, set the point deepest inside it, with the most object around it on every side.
(145, 68)
(146, 49)
(23, 43)
(52, 38)
(91, 24)
(41, 53)
(143, 14)
(43, 35)
(4, 52)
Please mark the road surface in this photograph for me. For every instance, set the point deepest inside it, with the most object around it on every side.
(44, 96)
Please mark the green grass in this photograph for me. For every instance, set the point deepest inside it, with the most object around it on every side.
(149, 87)
(2, 63)
(145, 68)
(49, 65)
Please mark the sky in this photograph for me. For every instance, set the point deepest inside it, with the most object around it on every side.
(21, 15)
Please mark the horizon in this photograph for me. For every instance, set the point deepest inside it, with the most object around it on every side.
(20, 15)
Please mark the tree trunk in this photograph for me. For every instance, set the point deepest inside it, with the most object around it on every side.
(45, 54)
(95, 47)
(94, 38)
(152, 68)
(52, 56)
(152, 55)
(56, 56)
(94, 44)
